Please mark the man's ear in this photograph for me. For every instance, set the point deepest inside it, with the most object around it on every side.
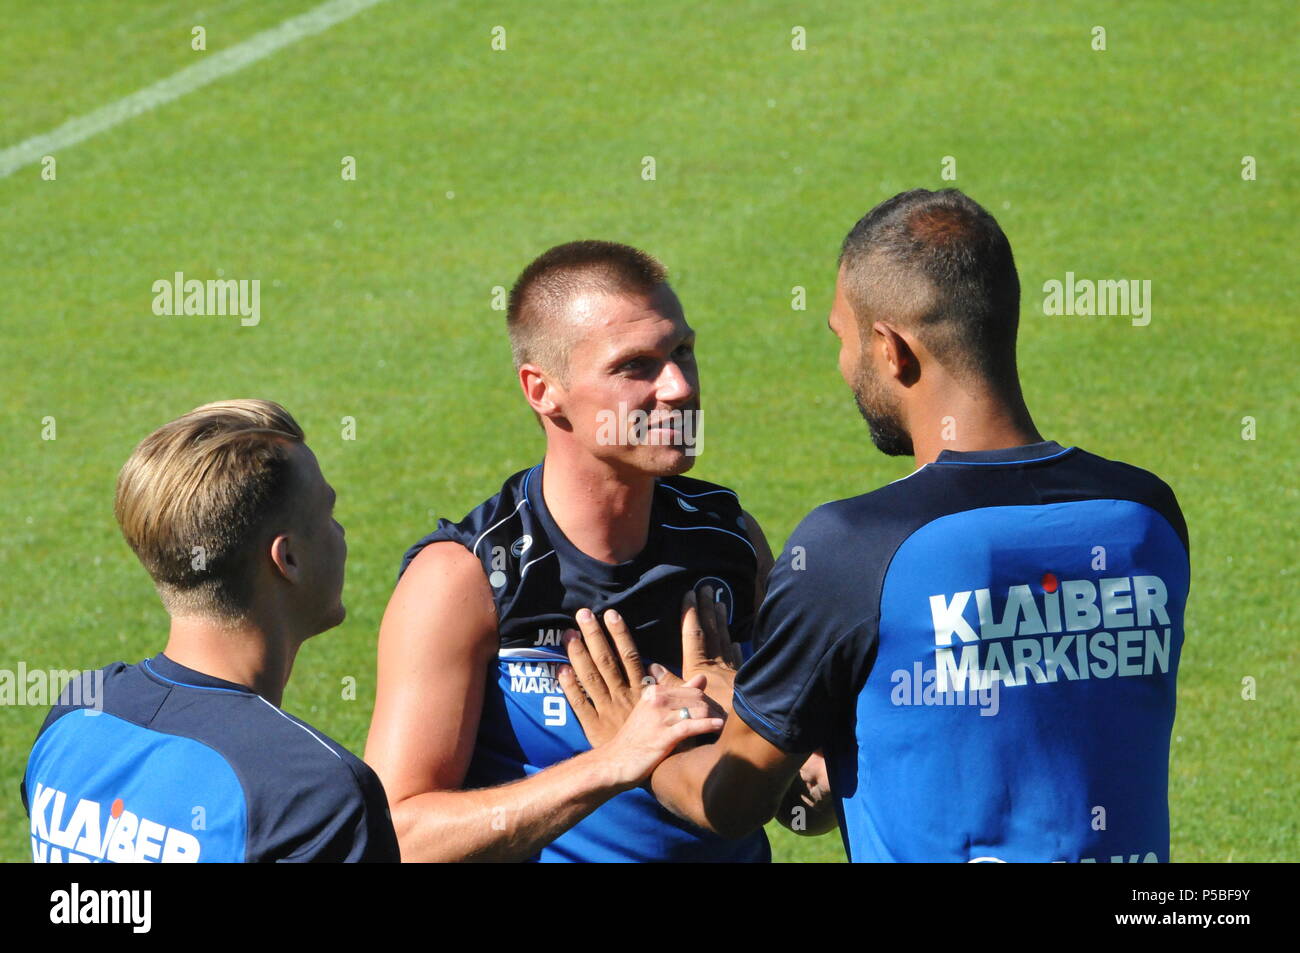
(282, 555)
(897, 351)
(539, 390)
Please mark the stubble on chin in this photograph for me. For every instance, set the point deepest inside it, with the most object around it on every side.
(884, 421)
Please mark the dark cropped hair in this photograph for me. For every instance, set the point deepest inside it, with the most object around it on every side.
(940, 264)
(547, 285)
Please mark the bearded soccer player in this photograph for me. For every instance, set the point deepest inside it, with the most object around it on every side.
(187, 756)
(479, 750)
(986, 650)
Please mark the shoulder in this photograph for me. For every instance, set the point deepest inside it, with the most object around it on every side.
(442, 610)
(871, 524)
(686, 503)
(272, 751)
(308, 795)
(89, 692)
(323, 762)
(496, 514)
(86, 689)
(1126, 474)
(309, 798)
(690, 488)
(118, 688)
(688, 498)
(1128, 482)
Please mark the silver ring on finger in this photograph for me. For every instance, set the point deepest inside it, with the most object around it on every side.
(683, 714)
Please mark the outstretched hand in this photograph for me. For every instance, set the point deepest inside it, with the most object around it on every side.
(634, 721)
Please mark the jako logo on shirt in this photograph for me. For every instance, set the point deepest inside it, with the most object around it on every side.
(1124, 611)
(721, 593)
(88, 836)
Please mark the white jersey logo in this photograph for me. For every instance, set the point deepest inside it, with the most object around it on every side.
(87, 837)
(1057, 629)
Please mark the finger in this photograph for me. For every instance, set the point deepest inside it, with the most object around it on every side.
(601, 651)
(692, 728)
(585, 668)
(735, 657)
(708, 616)
(578, 701)
(625, 645)
(688, 693)
(697, 709)
(693, 636)
(714, 621)
(724, 635)
(664, 677)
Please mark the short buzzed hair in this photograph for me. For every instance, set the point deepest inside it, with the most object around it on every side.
(938, 263)
(553, 279)
(197, 496)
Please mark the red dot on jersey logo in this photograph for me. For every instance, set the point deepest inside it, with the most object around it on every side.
(1049, 582)
(117, 808)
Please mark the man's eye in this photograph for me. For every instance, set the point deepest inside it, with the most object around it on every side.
(686, 350)
(633, 365)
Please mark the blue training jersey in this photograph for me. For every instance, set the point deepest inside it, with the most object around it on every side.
(156, 762)
(539, 580)
(986, 651)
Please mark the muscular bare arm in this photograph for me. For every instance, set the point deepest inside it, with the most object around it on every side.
(437, 644)
(731, 787)
(763, 551)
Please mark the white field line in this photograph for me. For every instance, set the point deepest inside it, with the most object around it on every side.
(211, 67)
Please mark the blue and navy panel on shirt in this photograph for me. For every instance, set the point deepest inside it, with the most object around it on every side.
(987, 653)
(539, 581)
(159, 763)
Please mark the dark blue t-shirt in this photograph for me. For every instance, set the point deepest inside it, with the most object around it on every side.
(157, 762)
(539, 580)
(986, 651)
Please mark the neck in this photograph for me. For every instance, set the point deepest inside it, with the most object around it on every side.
(248, 653)
(966, 420)
(601, 511)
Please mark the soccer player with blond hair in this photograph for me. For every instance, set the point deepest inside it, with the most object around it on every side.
(187, 756)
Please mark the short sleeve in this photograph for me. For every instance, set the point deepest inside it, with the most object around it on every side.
(358, 829)
(814, 639)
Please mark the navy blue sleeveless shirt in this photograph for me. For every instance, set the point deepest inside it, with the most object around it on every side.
(539, 580)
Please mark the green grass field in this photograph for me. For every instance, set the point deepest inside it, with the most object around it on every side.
(376, 298)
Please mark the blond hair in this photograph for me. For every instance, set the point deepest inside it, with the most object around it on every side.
(195, 498)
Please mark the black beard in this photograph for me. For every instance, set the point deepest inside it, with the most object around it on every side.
(883, 420)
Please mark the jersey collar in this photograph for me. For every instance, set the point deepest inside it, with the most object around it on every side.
(165, 670)
(1029, 453)
(616, 574)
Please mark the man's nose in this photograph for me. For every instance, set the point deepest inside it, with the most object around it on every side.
(674, 384)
